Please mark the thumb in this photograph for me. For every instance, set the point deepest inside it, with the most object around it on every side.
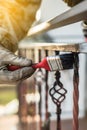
(19, 61)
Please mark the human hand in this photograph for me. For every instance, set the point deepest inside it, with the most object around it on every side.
(8, 58)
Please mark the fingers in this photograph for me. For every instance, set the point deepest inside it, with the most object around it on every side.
(16, 60)
(7, 57)
(15, 76)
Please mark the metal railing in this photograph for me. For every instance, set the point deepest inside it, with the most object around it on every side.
(36, 52)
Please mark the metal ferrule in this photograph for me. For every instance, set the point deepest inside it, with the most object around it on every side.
(55, 63)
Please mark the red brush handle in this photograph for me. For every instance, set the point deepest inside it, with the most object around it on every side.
(13, 67)
(42, 64)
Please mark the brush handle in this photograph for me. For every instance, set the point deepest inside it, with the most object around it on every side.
(13, 67)
(42, 64)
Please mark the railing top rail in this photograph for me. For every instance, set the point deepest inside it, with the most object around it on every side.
(65, 47)
(75, 14)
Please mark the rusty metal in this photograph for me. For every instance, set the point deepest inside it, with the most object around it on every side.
(58, 94)
(76, 93)
(46, 90)
(46, 124)
(23, 106)
(21, 94)
(39, 89)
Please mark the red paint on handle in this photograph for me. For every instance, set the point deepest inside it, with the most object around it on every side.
(13, 67)
(42, 64)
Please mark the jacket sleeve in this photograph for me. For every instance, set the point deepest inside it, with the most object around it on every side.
(71, 3)
(16, 17)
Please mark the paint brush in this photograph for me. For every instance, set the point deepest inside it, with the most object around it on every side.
(51, 63)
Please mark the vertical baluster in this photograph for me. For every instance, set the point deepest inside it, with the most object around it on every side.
(76, 93)
(59, 117)
(39, 78)
(46, 125)
(58, 105)
(39, 88)
(46, 90)
(54, 91)
(22, 91)
(23, 107)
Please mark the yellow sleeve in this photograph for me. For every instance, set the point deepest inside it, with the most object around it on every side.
(16, 17)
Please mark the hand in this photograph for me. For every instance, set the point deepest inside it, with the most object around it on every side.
(6, 58)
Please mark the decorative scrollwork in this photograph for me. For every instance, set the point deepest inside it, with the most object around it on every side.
(58, 92)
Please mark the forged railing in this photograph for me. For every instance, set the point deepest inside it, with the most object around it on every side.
(58, 92)
(37, 51)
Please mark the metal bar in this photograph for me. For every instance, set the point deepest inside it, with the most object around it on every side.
(73, 15)
(40, 123)
(76, 95)
(61, 91)
(39, 88)
(46, 90)
(21, 93)
(59, 117)
(65, 47)
(23, 106)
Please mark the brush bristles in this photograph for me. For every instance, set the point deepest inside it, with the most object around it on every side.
(67, 61)
(54, 63)
(61, 62)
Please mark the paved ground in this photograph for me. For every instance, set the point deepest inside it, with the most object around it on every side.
(12, 123)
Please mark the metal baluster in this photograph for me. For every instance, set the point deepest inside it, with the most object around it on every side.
(46, 90)
(23, 106)
(39, 78)
(76, 93)
(39, 88)
(57, 93)
(21, 93)
(46, 125)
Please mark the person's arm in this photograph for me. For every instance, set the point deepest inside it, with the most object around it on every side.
(16, 17)
(8, 58)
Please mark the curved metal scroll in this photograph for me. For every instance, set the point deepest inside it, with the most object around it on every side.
(57, 93)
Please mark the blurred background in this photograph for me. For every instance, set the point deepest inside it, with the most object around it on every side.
(28, 105)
